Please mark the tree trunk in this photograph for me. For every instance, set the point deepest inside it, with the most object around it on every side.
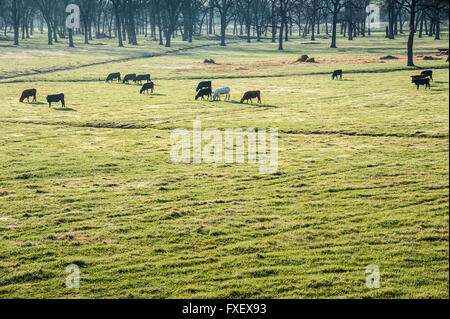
(411, 33)
(283, 21)
(334, 31)
(223, 29)
(71, 45)
(118, 24)
(438, 26)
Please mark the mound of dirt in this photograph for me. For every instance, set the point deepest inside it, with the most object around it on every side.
(303, 58)
(443, 52)
(209, 61)
(388, 57)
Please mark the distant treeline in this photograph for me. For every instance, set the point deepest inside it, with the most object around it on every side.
(161, 20)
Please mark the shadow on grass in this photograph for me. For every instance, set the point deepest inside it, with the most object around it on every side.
(344, 80)
(64, 109)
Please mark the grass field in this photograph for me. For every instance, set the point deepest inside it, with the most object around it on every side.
(363, 173)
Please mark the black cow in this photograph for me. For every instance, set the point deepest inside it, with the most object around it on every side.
(204, 92)
(56, 98)
(428, 73)
(27, 94)
(128, 78)
(336, 74)
(147, 86)
(422, 81)
(415, 77)
(113, 76)
(142, 77)
(204, 85)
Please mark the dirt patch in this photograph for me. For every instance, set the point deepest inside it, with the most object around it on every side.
(430, 58)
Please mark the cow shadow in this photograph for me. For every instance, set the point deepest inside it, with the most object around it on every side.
(255, 104)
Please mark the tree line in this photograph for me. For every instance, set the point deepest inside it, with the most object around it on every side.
(162, 20)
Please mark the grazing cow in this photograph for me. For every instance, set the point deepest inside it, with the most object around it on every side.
(422, 81)
(428, 73)
(142, 77)
(336, 74)
(221, 91)
(56, 98)
(113, 76)
(250, 95)
(204, 92)
(204, 85)
(128, 78)
(148, 86)
(27, 94)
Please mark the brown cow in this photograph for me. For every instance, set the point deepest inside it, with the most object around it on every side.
(27, 94)
(250, 95)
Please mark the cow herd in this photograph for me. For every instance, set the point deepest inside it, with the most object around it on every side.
(50, 98)
(204, 88)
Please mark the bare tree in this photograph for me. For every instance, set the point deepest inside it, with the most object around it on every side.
(334, 6)
(413, 7)
(223, 6)
(284, 7)
(171, 9)
(46, 8)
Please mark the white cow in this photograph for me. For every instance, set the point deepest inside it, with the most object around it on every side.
(221, 91)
